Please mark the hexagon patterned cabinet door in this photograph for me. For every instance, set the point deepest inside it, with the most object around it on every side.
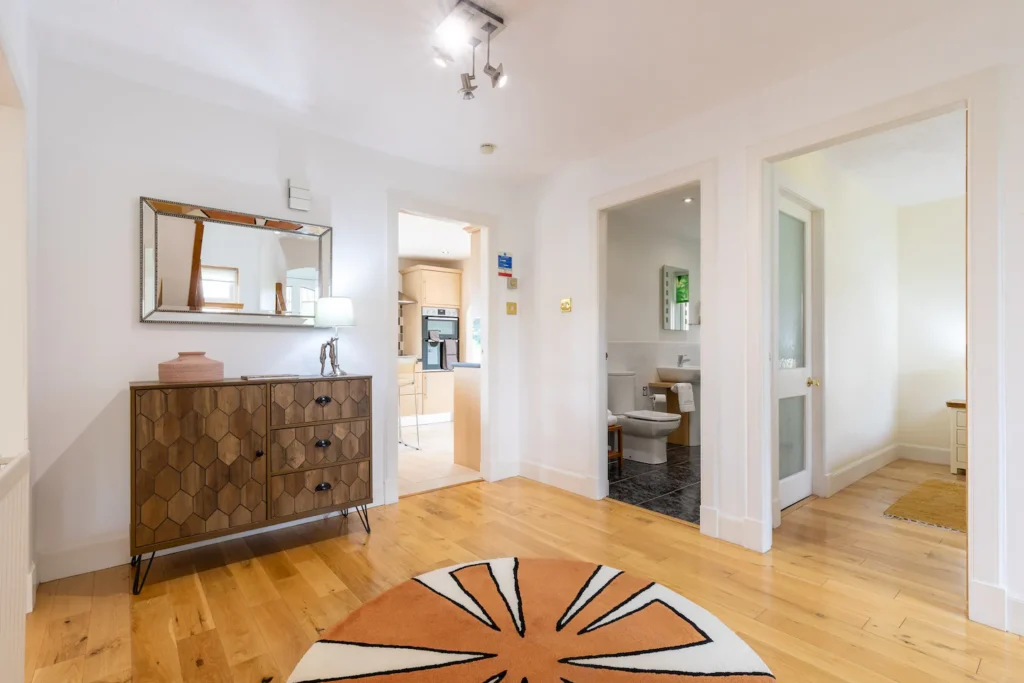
(295, 403)
(198, 463)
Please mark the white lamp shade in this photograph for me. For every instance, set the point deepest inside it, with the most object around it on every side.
(334, 311)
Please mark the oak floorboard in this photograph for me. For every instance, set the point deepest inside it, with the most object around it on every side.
(845, 596)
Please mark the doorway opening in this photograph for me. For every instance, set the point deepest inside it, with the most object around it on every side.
(652, 313)
(869, 354)
(441, 316)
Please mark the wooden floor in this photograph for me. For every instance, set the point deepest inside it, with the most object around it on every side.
(846, 595)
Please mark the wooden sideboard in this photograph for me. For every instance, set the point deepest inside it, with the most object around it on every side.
(217, 458)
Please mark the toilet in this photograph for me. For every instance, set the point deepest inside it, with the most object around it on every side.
(644, 432)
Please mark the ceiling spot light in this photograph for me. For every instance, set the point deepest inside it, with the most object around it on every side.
(487, 148)
(497, 75)
(442, 58)
(453, 32)
(467, 87)
(688, 200)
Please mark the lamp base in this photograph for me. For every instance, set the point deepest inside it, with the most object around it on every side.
(330, 349)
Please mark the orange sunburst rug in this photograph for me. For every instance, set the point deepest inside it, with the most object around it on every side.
(518, 620)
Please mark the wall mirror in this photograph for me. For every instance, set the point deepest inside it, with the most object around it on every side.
(203, 265)
(675, 298)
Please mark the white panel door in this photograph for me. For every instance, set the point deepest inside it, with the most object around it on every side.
(792, 350)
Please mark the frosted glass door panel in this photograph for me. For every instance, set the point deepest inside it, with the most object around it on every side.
(792, 434)
(792, 259)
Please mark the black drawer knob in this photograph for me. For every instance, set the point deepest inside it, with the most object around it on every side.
(259, 454)
(323, 443)
(323, 400)
(323, 486)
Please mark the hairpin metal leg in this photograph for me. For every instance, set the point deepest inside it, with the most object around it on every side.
(137, 574)
(364, 517)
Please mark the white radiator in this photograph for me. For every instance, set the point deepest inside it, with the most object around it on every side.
(14, 565)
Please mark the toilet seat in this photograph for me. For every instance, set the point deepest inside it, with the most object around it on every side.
(652, 416)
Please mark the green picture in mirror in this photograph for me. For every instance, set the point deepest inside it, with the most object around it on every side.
(683, 288)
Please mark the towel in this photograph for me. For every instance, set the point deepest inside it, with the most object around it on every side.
(612, 420)
(685, 393)
(434, 336)
(450, 355)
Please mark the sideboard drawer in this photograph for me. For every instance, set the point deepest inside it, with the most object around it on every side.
(299, 448)
(294, 403)
(325, 487)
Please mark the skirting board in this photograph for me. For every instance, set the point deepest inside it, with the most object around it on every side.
(568, 481)
(909, 451)
(857, 470)
(709, 521)
(1015, 615)
(988, 604)
(33, 583)
(745, 532)
(436, 418)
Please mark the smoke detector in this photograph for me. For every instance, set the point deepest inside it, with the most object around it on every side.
(487, 148)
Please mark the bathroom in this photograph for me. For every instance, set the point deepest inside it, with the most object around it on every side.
(653, 327)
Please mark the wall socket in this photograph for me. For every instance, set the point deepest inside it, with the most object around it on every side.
(511, 308)
(645, 391)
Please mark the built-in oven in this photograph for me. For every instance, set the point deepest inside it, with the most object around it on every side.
(439, 325)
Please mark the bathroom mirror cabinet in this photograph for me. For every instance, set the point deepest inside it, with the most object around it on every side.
(203, 265)
(675, 298)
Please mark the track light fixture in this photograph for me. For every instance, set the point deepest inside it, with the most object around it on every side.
(466, 26)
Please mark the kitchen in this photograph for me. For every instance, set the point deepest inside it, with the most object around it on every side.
(438, 353)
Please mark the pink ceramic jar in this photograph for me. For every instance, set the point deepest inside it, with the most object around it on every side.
(191, 366)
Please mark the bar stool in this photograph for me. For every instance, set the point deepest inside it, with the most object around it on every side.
(407, 380)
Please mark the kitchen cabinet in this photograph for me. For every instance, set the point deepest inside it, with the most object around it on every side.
(438, 389)
(430, 286)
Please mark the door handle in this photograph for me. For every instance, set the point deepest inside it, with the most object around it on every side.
(811, 382)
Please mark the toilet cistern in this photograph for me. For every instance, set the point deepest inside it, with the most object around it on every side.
(682, 360)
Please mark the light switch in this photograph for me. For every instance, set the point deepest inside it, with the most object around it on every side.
(513, 283)
(511, 308)
(566, 305)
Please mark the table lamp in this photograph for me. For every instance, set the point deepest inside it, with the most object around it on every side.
(333, 311)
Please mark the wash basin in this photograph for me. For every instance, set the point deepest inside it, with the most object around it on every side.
(687, 373)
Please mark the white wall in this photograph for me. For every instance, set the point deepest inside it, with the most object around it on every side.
(932, 320)
(565, 440)
(13, 284)
(105, 142)
(641, 239)
(861, 284)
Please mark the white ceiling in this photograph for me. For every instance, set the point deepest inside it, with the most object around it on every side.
(585, 75)
(432, 238)
(914, 164)
(666, 212)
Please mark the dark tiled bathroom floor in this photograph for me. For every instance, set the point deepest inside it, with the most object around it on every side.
(672, 489)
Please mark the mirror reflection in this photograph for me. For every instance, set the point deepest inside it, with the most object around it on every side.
(675, 298)
(207, 265)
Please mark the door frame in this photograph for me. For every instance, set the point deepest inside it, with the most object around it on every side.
(986, 489)
(490, 469)
(785, 187)
(705, 173)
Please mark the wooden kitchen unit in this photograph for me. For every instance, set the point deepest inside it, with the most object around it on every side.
(431, 287)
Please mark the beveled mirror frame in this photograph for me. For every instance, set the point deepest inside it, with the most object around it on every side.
(152, 209)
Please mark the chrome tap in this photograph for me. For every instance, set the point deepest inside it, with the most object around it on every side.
(682, 360)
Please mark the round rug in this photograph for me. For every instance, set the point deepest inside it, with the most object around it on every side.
(530, 620)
